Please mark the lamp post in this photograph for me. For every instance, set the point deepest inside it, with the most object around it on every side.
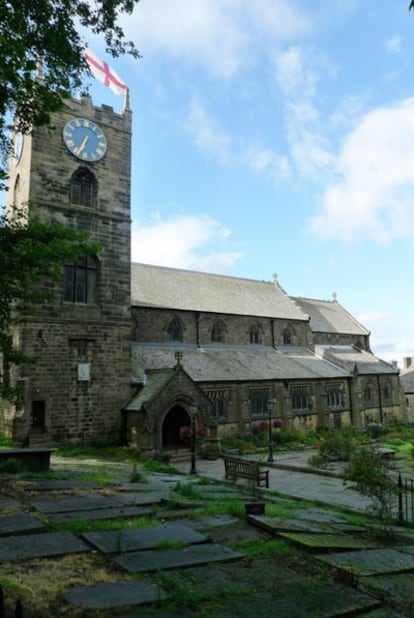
(194, 409)
(269, 406)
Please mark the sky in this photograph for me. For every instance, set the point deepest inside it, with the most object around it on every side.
(277, 137)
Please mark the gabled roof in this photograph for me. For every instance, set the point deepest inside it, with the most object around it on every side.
(171, 288)
(154, 382)
(351, 359)
(236, 363)
(407, 380)
(329, 317)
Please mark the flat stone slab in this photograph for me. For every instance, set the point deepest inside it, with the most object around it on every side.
(141, 498)
(20, 523)
(212, 521)
(327, 542)
(120, 512)
(9, 503)
(115, 595)
(59, 485)
(398, 587)
(75, 503)
(320, 516)
(371, 562)
(275, 526)
(150, 560)
(269, 589)
(118, 541)
(14, 548)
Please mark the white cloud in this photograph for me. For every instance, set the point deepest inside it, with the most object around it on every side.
(220, 36)
(206, 132)
(373, 196)
(297, 73)
(183, 242)
(267, 161)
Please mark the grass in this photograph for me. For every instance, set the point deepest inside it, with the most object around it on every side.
(79, 526)
(153, 465)
(181, 595)
(264, 548)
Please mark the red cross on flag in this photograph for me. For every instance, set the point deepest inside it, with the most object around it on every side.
(104, 74)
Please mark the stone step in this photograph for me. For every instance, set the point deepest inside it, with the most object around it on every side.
(40, 440)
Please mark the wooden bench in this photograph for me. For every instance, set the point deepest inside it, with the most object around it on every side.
(33, 459)
(235, 468)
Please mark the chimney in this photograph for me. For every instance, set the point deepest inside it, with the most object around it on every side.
(407, 360)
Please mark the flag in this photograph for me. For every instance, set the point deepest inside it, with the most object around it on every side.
(104, 74)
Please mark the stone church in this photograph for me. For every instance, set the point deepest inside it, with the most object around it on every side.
(136, 354)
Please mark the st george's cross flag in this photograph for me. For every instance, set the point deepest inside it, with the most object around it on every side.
(104, 74)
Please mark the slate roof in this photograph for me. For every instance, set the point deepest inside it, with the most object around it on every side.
(329, 317)
(350, 359)
(235, 363)
(154, 383)
(407, 380)
(171, 288)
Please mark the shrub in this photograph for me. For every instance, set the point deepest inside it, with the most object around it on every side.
(375, 430)
(336, 445)
(370, 479)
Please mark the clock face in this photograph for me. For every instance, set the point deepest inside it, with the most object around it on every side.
(84, 139)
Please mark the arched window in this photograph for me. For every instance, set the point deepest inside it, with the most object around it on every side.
(81, 279)
(369, 393)
(218, 332)
(255, 335)
(83, 188)
(175, 330)
(16, 191)
(386, 391)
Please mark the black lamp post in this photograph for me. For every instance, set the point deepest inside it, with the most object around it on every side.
(269, 406)
(194, 409)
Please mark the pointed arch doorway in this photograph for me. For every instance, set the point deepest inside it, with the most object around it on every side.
(175, 418)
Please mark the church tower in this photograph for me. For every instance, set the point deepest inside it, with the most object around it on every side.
(77, 172)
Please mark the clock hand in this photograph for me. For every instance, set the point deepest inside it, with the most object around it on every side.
(82, 146)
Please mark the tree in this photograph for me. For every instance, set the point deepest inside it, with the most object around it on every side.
(36, 37)
(371, 479)
(45, 33)
(32, 258)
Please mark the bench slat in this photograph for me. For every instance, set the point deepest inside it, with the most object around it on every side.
(235, 467)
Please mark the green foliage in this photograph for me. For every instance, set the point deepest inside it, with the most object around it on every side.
(152, 465)
(12, 466)
(47, 31)
(32, 257)
(79, 526)
(336, 446)
(375, 430)
(180, 595)
(264, 548)
(370, 478)
(137, 476)
(188, 490)
(5, 442)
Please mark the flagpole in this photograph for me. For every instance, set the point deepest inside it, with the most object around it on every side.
(126, 101)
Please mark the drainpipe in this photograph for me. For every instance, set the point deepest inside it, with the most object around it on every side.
(197, 317)
(380, 399)
(351, 400)
(272, 331)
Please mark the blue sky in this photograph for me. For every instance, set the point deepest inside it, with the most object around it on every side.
(277, 136)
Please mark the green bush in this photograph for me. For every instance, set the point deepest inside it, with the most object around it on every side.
(371, 480)
(336, 446)
(12, 466)
(375, 430)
